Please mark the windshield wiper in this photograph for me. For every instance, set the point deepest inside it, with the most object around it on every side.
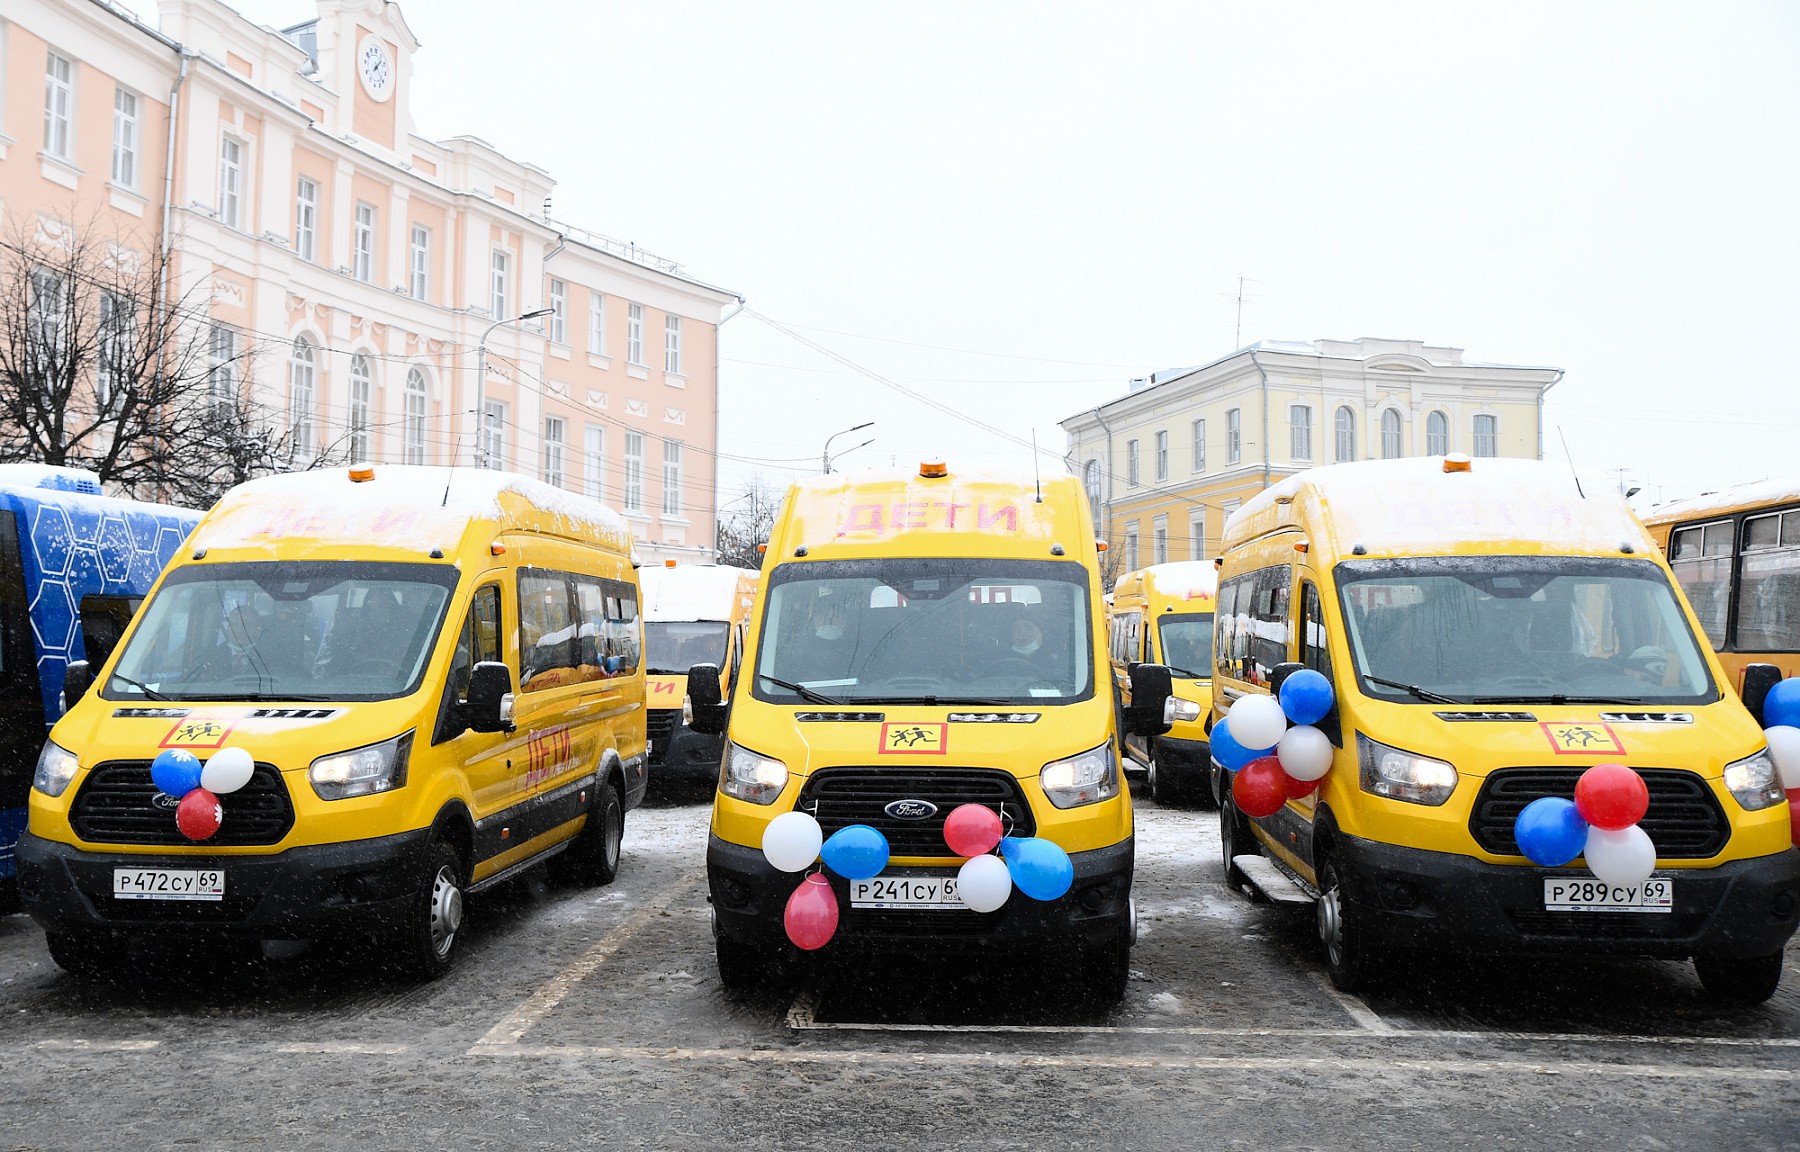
(956, 701)
(149, 692)
(1184, 674)
(1421, 693)
(665, 671)
(801, 690)
(1556, 698)
(261, 698)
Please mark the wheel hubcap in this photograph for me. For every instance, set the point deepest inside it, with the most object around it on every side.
(615, 832)
(1331, 924)
(446, 911)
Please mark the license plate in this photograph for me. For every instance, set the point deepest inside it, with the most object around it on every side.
(905, 892)
(1573, 894)
(168, 884)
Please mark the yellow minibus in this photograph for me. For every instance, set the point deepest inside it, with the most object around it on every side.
(1163, 614)
(693, 614)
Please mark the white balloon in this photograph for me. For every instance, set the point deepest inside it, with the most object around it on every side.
(226, 771)
(1305, 752)
(1784, 749)
(1624, 857)
(1257, 722)
(791, 841)
(984, 883)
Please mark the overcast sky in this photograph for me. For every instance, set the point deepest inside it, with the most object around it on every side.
(1010, 209)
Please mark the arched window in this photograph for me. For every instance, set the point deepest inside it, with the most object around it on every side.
(1392, 446)
(1487, 435)
(414, 422)
(1090, 479)
(302, 376)
(1437, 434)
(1345, 425)
(361, 398)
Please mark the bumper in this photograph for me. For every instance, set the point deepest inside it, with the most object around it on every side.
(1434, 900)
(1184, 762)
(303, 893)
(687, 757)
(749, 897)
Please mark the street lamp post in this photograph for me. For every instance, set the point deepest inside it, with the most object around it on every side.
(481, 382)
(825, 455)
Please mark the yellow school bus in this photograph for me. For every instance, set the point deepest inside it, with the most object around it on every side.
(693, 614)
(1163, 614)
(1491, 631)
(432, 677)
(1737, 556)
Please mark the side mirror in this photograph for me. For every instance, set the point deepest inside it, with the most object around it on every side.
(489, 707)
(1327, 723)
(1151, 689)
(705, 701)
(1753, 689)
(78, 677)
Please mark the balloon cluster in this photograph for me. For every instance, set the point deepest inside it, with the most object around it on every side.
(1781, 714)
(1269, 742)
(793, 841)
(1601, 823)
(178, 772)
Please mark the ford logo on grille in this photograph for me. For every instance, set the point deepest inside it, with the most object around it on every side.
(911, 809)
(165, 801)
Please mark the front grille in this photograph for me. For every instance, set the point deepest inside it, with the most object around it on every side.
(659, 725)
(1605, 925)
(1684, 820)
(845, 796)
(113, 807)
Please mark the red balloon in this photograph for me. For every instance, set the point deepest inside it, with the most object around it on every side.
(1260, 787)
(812, 913)
(1299, 789)
(199, 814)
(1611, 796)
(972, 830)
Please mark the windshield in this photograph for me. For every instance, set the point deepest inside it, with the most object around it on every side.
(673, 646)
(332, 630)
(1521, 630)
(1187, 643)
(958, 630)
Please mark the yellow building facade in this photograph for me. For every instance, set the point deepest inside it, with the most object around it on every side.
(1166, 463)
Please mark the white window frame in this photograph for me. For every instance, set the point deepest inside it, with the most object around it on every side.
(672, 343)
(362, 253)
(1159, 540)
(596, 322)
(1300, 431)
(47, 312)
(559, 311)
(221, 353)
(1131, 547)
(418, 263)
(594, 461)
(1131, 463)
(494, 433)
(671, 503)
(500, 284)
(555, 441)
(634, 335)
(1343, 434)
(1162, 455)
(1199, 431)
(634, 472)
(415, 408)
(1091, 481)
(114, 335)
(127, 133)
(59, 105)
(1197, 533)
(362, 402)
(303, 379)
(1437, 433)
(1234, 435)
(306, 219)
(1488, 439)
(231, 180)
(1393, 434)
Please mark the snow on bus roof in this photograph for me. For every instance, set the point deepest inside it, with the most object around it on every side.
(1752, 494)
(690, 591)
(1185, 578)
(410, 507)
(1414, 506)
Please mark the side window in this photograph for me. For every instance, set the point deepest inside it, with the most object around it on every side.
(479, 640)
(18, 658)
(622, 618)
(592, 648)
(1269, 628)
(1701, 559)
(1313, 650)
(1225, 631)
(103, 621)
(547, 632)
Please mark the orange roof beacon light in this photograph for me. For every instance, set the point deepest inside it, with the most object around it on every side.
(1456, 462)
(762, 549)
(933, 468)
(496, 549)
(1099, 545)
(668, 563)
(362, 473)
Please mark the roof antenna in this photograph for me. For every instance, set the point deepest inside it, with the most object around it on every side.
(450, 475)
(1571, 456)
(1035, 477)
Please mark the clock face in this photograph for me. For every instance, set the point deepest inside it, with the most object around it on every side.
(375, 68)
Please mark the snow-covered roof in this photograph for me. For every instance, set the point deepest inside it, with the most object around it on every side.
(1185, 578)
(61, 485)
(692, 591)
(1755, 493)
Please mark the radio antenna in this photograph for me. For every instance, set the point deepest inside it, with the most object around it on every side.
(1571, 456)
(1036, 478)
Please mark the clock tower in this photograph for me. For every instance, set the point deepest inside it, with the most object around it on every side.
(365, 53)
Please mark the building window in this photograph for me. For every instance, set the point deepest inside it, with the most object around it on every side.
(553, 450)
(672, 344)
(1392, 446)
(1162, 456)
(500, 285)
(1091, 480)
(1437, 434)
(1131, 462)
(493, 431)
(594, 462)
(59, 104)
(634, 334)
(597, 323)
(306, 219)
(302, 375)
(362, 395)
(362, 258)
(1196, 533)
(559, 312)
(231, 181)
(419, 263)
(671, 477)
(1487, 436)
(1234, 435)
(48, 314)
(634, 471)
(1300, 432)
(1345, 428)
(1199, 445)
(114, 341)
(1159, 540)
(221, 382)
(413, 418)
(125, 139)
(1131, 547)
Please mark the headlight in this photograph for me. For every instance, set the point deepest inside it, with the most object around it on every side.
(1403, 775)
(55, 768)
(1085, 779)
(749, 776)
(362, 771)
(1753, 780)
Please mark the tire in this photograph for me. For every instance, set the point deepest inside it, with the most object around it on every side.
(1740, 979)
(426, 944)
(86, 955)
(1154, 781)
(744, 967)
(1349, 957)
(592, 858)
(1235, 839)
(1107, 971)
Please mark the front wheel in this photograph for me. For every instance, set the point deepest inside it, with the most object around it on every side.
(592, 859)
(1235, 839)
(745, 968)
(88, 955)
(1349, 957)
(1740, 979)
(426, 944)
(1107, 970)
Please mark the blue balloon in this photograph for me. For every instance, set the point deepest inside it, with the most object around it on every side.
(1550, 831)
(856, 852)
(1040, 868)
(1227, 751)
(1306, 696)
(1782, 704)
(176, 771)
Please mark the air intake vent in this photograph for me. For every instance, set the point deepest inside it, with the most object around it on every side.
(848, 796)
(1684, 821)
(114, 807)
